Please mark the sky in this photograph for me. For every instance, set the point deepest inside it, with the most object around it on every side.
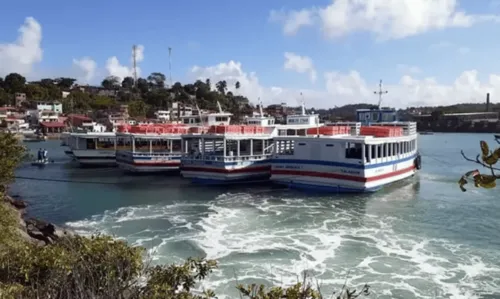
(324, 52)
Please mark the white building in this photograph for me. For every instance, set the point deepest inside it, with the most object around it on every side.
(50, 106)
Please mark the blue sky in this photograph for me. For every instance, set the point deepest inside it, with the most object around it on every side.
(209, 33)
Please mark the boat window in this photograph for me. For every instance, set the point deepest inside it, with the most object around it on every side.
(353, 151)
(375, 116)
(284, 147)
(91, 144)
(176, 145)
(368, 153)
(329, 145)
(220, 118)
(389, 149)
(302, 144)
(123, 143)
(141, 145)
(105, 143)
(396, 148)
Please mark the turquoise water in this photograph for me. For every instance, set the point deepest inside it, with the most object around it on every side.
(422, 238)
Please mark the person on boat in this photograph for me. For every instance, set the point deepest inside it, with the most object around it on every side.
(39, 154)
(45, 155)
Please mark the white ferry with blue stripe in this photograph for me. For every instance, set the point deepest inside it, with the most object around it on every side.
(93, 148)
(348, 163)
(241, 155)
(160, 150)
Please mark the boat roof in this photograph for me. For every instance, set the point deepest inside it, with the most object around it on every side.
(350, 138)
(264, 136)
(94, 134)
(150, 135)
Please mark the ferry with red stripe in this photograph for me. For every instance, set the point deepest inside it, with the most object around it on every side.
(159, 147)
(238, 153)
(370, 155)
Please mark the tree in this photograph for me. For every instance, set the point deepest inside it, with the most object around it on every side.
(110, 82)
(102, 102)
(36, 92)
(12, 155)
(14, 83)
(128, 82)
(77, 101)
(209, 85)
(137, 108)
(157, 80)
(237, 85)
(487, 159)
(142, 85)
(4, 97)
(221, 86)
(65, 83)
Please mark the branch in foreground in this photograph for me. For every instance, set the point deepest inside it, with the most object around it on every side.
(478, 161)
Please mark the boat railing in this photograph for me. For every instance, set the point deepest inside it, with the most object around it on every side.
(218, 158)
(409, 127)
(355, 126)
(151, 154)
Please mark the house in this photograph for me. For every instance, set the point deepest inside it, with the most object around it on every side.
(52, 127)
(5, 112)
(20, 98)
(55, 106)
(79, 121)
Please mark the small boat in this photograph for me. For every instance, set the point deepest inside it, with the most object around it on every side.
(40, 162)
(497, 136)
(426, 133)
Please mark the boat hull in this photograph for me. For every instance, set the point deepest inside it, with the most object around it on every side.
(210, 172)
(140, 163)
(94, 158)
(341, 177)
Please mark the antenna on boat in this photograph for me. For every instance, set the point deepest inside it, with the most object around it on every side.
(134, 61)
(220, 108)
(199, 112)
(303, 104)
(170, 65)
(260, 108)
(380, 92)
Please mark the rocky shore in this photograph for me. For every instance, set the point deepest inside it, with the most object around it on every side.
(32, 229)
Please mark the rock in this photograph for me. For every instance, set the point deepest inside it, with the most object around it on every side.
(16, 203)
(34, 233)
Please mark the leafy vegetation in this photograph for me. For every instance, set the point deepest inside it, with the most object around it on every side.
(99, 267)
(487, 159)
(144, 96)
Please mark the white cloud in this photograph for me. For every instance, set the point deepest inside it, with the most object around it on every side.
(21, 55)
(300, 64)
(86, 68)
(351, 87)
(385, 19)
(293, 20)
(114, 67)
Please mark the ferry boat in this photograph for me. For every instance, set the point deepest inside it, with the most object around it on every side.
(159, 148)
(228, 154)
(94, 149)
(361, 156)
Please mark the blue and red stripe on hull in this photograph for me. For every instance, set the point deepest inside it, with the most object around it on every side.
(338, 176)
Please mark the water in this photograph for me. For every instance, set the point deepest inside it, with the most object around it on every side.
(423, 238)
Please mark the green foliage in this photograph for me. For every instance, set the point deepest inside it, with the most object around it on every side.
(487, 159)
(11, 154)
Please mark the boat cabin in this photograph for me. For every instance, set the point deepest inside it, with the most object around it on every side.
(220, 118)
(92, 141)
(368, 116)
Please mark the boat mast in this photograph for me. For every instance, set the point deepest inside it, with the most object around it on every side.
(380, 92)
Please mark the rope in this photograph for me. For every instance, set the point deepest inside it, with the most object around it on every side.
(122, 183)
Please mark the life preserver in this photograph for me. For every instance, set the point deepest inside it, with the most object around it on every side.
(418, 162)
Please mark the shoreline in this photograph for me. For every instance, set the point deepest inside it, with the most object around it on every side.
(31, 229)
